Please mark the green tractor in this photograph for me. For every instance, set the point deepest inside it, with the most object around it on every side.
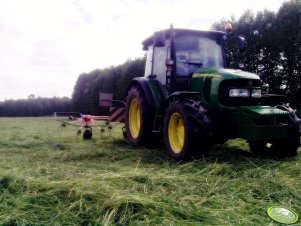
(189, 97)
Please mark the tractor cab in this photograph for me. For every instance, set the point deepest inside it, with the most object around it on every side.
(174, 55)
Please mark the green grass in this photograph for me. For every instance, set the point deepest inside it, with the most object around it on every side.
(49, 177)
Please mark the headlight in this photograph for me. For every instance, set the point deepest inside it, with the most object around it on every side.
(256, 93)
(239, 93)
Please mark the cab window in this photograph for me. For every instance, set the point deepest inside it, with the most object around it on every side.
(194, 52)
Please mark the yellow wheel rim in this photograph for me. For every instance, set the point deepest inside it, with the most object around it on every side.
(176, 132)
(134, 118)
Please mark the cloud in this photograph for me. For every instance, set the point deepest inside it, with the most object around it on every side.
(46, 44)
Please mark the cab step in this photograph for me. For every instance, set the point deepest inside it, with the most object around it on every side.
(157, 124)
(158, 121)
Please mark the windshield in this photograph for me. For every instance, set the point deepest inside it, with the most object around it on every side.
(194, 52)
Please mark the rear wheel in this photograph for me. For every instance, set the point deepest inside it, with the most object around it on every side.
(139, 118)
(184, 136)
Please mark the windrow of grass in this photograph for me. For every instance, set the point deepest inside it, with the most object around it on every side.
(50, 177)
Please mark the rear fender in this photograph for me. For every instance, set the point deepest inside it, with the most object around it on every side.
(152, 90)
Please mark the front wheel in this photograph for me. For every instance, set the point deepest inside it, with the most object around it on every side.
(184, 136)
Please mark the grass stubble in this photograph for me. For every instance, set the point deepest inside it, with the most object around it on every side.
(50, 177)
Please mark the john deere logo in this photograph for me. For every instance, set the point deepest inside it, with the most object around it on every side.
(282, 215)
(250, 83)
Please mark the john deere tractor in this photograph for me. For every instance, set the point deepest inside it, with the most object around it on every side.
(188, 97)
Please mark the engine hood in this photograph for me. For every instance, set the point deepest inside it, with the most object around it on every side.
(222, 73)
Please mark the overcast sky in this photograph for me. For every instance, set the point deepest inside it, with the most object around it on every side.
(46, 44)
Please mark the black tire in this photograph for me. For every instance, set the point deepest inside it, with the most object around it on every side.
(142, 135)
(196, 130)
(87, 134)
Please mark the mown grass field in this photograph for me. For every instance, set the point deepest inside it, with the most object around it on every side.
(52, 178)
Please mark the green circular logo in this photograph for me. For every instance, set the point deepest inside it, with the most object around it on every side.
(282, 215)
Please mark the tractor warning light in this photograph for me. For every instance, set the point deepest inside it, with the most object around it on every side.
(228, 27)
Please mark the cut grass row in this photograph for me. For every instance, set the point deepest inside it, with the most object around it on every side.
(49, 177)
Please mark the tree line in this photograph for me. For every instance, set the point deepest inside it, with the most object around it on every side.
(34, 106)
(85, 97)
(273, 52)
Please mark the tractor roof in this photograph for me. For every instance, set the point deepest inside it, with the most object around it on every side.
(179, 32)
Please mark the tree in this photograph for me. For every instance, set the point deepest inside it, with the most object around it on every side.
(114, 79)
(274, 47)
(289, 39)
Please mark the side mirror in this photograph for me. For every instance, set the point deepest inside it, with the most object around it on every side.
(159, 39)
(242, 43)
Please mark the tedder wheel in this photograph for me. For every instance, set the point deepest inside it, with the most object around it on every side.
(138, 118)
(87, 134)
(186, 130)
